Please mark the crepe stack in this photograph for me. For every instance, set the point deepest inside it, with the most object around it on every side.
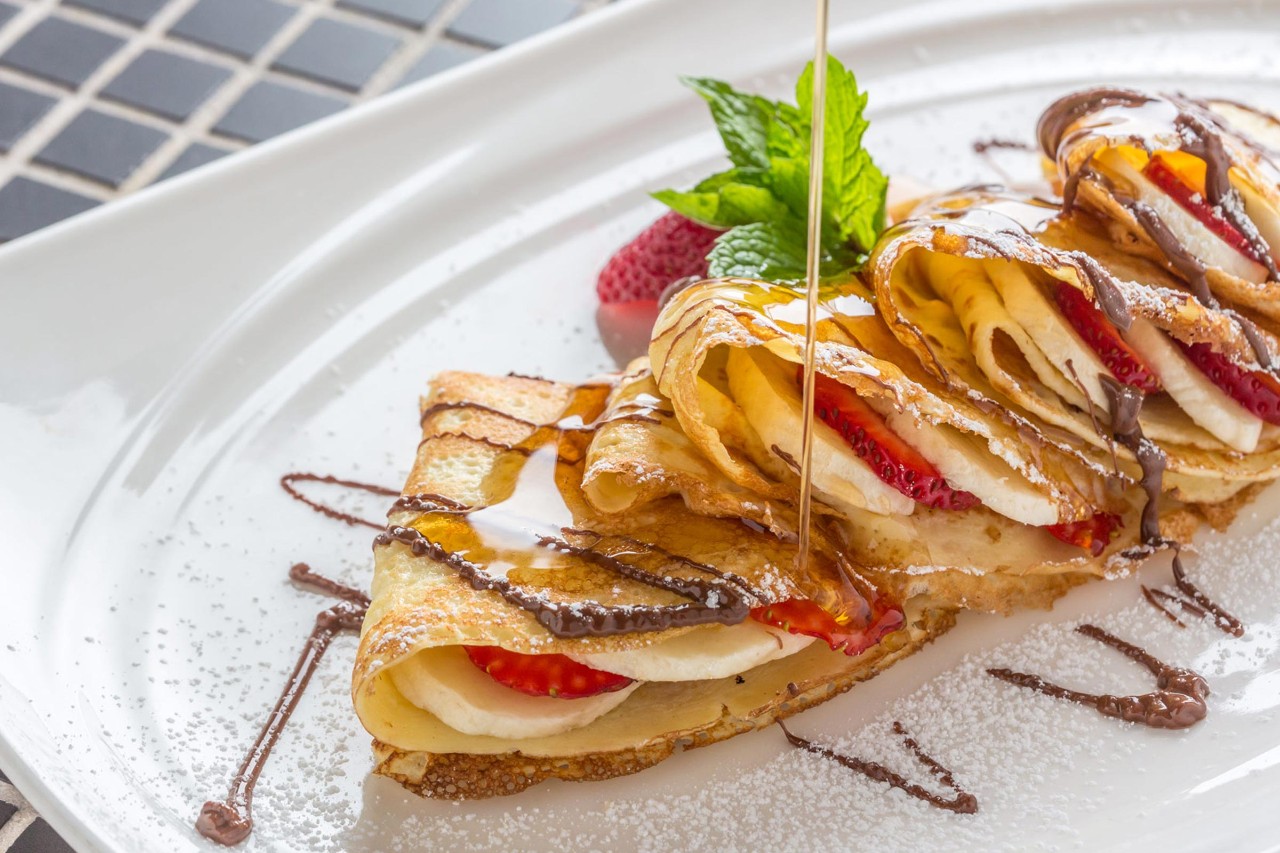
(967, 454)
(1188, 184)
(443, 727)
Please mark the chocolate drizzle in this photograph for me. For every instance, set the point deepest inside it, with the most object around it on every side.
(712, 602)
(1065, 111)
(288, 480)
(982, 146)
(962, 802)
(302, 575)
(229, 821)
(1126, 404)
(1109, 298)
(720, 599)
(1201, 139)
(1192, 600)
(1177, 702)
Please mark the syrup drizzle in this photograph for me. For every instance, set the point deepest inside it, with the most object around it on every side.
(720, 599)
(1177, 702)
(813, 259)
(962, 803)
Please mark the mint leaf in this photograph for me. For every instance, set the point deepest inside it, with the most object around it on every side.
(853, 186)
(764, 200)
(698, 206)
(774, 251)
(742, 119)
(734, 197)
(744, 203)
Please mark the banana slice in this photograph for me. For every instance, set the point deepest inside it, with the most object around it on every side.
(1205, 403)
(446, 683)
(1264, 216)
(705, 654)
(1042, 320)
(765, 388)
(1211, 249)
(967, 463)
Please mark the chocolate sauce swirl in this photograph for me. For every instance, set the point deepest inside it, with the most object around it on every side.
(962, 802)
(1192, 600)
(1177, 702)
(982, 146)
(1201, 139)
(229, 821)
(713, 602)
(288, 480)
(1068, 109)
(1126, 404)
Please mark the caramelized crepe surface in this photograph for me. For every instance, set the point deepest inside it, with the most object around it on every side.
(935, 278)
(470, 425)
(1081, 130)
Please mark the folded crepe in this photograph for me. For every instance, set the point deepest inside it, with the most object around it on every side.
(494, 558)
(989, 500)
(1035, 314)
(1192, 185)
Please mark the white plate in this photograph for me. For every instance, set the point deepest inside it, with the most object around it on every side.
(164, 361)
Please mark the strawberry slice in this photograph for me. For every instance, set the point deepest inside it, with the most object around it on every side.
(892, 459)
(544, 675)
(1163, 175)
(668, 250)
(1104, 339)
(805, 617)
(1092, 534)
(1257, 391)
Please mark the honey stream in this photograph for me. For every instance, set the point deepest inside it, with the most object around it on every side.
(813, 259)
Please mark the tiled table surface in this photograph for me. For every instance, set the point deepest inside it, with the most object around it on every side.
(99, 98)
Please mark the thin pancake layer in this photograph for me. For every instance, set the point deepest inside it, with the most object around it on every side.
(497, 483)
(1182, 182)
(970, 289)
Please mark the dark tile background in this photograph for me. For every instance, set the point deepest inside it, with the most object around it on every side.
(99, 98)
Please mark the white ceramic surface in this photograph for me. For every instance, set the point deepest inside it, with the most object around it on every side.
(165, 360)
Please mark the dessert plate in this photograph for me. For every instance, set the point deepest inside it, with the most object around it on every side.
(164, 361)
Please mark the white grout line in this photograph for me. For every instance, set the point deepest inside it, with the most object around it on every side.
(393, 71)
(198, 127)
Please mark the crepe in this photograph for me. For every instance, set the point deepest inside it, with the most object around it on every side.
(975, 283)
(1191, 185)
(516, 446)
(706, 328)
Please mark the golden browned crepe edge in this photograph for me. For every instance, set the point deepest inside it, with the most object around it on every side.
(936, 228)
(461, 775)
(466, 775)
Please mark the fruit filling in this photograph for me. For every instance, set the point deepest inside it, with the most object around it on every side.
(1091, 534)
(544, 675)
(1104, 339)
(805, 617)
(1256, 391)
(893, 460)
(1178, 185)
(670, 249)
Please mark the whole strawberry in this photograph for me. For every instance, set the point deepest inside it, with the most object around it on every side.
(670, 249)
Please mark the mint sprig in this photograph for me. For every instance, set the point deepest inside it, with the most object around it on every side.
(763, 198)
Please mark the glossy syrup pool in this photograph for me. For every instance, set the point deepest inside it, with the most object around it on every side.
(174, 625)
